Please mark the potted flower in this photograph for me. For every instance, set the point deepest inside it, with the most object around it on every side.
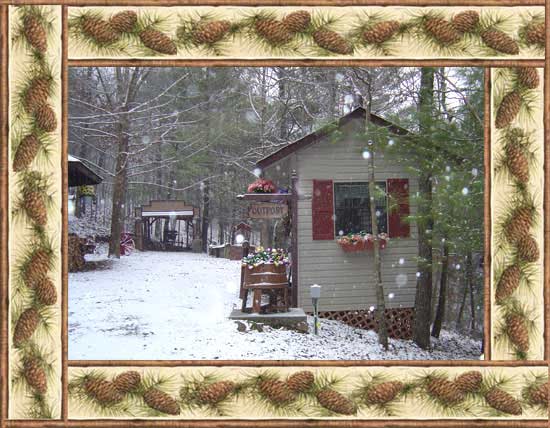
(261, 185)
(265, 266)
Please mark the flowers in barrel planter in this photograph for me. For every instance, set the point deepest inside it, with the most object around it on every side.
(354, 242)
(261, 185)
(262, 256)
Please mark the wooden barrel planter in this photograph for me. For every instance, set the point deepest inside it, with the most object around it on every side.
(266, 279)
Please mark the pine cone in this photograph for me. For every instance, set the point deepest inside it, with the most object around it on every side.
(297, 22)
(332, 42)
(519, 224)
(508, 109)
(445, 391)
(301, 381)
(469, 382)
(157, 41)
(442, 30)
(336, 402)
(465, 22)
(384, 392)
(161, 401)
(26, 152)
(381, 32)
(508, 283)
(276, 391)
(502, 401)
(103, 391)
(35, 33)
(45, 118)
(102, 32)
(273, 31)
(516, 329)
(215, 392)
(500, 41)
(211, 32)
(124, 22)
(528, 77)
(35, 207)
(37, 93)
(528, 249)
(517, 162)
(535, 34)
(539, 394)
(26, 326)
(35, 375)
(45, 292)
(37, 267)
(126, 382)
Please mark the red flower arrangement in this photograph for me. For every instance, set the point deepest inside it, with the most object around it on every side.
(261, 185)
(354, 242)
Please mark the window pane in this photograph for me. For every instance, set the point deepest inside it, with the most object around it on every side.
(352, 208)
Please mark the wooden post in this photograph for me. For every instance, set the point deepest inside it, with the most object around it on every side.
(294, 238)
(242, 293)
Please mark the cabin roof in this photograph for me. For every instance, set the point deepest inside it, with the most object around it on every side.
(316, 135)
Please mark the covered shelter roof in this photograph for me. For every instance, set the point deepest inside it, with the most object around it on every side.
(177, 209)
(81, 175)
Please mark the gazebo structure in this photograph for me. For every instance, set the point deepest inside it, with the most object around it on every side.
(80, 175)
(165, 225)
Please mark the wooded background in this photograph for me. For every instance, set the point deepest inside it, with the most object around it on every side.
(195, 134)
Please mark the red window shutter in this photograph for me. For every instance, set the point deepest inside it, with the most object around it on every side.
(398, 192)
(322, 210)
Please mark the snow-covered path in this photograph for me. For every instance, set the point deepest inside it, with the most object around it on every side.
(161, 305)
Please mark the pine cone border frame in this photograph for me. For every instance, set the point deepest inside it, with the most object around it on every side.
(158, 42)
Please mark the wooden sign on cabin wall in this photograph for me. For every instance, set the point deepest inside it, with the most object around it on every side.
(267, 210)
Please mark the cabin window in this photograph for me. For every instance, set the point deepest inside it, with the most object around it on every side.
(352, 207)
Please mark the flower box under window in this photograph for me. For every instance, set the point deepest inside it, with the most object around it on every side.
(353, 243)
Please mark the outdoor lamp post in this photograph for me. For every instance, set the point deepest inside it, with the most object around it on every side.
(315, 292)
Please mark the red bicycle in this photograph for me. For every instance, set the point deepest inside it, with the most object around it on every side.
(127, 244)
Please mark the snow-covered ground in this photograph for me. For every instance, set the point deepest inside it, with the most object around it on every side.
(161, 305)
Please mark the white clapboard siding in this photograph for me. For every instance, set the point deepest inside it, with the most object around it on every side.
(348, 279)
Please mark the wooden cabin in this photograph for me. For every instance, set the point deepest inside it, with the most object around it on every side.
(332, 192)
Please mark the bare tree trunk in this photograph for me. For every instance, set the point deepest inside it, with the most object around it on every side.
(205, 215)
(424, 286)
(462, 306)
(441, 305)
(380, 295)
(119, 186)
(470, 281)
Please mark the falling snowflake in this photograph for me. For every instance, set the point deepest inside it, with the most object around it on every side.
(239, 239)
(257, 172)
(475, 172)
(465, 191)
(391, 295)
(366, 154)
(391, 143)
(401, 261)
(401, 280)
(418, 274)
